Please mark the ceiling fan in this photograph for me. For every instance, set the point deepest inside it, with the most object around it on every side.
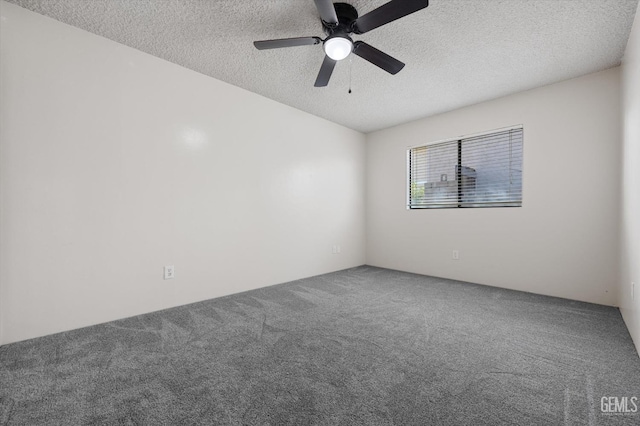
(339, 20)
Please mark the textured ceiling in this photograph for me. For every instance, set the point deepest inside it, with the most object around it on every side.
(458, 52)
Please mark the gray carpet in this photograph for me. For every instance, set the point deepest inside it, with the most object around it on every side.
(362, 346)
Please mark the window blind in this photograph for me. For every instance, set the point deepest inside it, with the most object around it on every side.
(477, 171)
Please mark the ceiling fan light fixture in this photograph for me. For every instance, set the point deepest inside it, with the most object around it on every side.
(338, 48)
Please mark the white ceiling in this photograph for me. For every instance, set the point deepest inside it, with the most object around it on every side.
(458, 52)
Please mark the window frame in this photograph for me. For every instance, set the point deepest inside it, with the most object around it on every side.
(459, 139)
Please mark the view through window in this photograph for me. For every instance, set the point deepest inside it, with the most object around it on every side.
(476, 171)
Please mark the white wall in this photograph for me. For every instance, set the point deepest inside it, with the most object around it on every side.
(114, 163)
(562, 242)
(630, 219)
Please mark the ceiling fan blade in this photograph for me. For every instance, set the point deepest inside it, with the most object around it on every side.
(327, 12)
(286, 42)
(386, 13)
(378, 58)
(325, 72)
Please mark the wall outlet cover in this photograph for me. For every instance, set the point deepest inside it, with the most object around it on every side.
(169, 272)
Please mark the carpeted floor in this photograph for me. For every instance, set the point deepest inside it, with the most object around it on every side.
(361, 346)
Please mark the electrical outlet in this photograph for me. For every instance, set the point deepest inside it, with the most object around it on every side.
(633, 291)
(455, 255)
(335, 249)
(169, 272)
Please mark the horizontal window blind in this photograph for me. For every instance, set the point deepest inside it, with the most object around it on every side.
(478, 171)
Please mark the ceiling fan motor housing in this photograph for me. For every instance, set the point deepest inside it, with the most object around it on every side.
(347, 14)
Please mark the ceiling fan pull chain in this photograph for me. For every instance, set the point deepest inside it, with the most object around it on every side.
(350, 68)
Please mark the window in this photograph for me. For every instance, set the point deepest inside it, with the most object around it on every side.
(476, 171)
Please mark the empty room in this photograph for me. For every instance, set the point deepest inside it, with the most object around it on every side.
(306, 212)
